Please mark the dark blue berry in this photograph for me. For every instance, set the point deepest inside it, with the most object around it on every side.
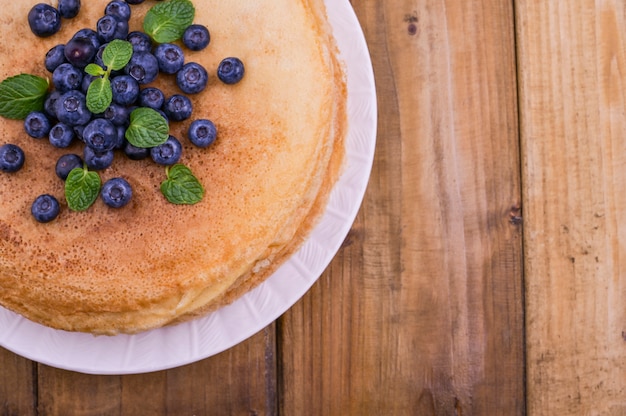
(125, 89)
(49, 104)
(101, 135)
(167, 153)
(67, 77)
(143, 66)
(230, 70)
(69, 8)
(110, 27)
(44, 20)
(119, 9)
(78, 131)
(90, 34)
(116, 192)
(97, 161)
(135, 153)
(80, 50)
(11, 158)
(37, 124)
(61, 135)
(151, 97)
(87, 80)
(45, 208)
(134, 1)
(170, 58)
(116, 114)
(141, 42)
(196, 37)
(121, 137)
(202, 132)
(192, 78)
(71, 108)
(178, 107)
(66, 163)
(55, 57)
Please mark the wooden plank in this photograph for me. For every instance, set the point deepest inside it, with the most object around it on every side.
(421, 312)
(572, 60)
(240, 380)
(17, 385)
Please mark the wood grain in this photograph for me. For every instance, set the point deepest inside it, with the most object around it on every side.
(18, 390)
(572, 76)
(421, 313)
(238, 381)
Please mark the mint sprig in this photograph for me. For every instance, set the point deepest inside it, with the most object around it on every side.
(181, 186)
(115, 56)
(167, 21)
(21, 95)
(147, 128)
(82, 188)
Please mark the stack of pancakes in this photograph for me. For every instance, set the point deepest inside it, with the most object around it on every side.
(278, 153)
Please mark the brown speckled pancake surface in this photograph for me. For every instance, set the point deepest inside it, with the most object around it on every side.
(278, 152)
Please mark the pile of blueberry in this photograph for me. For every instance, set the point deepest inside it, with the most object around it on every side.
(66, 117)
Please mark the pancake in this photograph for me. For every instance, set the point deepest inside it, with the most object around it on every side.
(267, 177)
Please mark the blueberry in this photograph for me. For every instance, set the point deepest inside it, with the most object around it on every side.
(116, 114)
(66, 163)
(167, 153)
(121, 137)
(134, 1)
(151, 97)
(119, 9)
(11, 158)
(202, 132)
(100, 134)
(78, 131)
(90, 34)
(61, 135)
(170, 57)
(45, 208)
(125, 89)
(110, 27)
(178, 107)
(44, 20)
(37, 124)
(49, 104)
(97, 59)
(230, 70)
(97, 161)
(71, 108)
(116, 192)
(69, 8)
(192, 78)
(55, 57)
(143, 66)
(80, 51)
(134, 152)
(141, 42)
(87, 80)
(67, 77)
(196, 37)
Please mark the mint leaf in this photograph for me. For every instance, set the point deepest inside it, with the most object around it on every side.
(117, 54)
(81, 188)
(181, 186)
(167, 21)
(21, 95)
(95, 70)
(147, 128)
(99, 95)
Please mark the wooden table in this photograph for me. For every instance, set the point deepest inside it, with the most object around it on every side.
(485, 273)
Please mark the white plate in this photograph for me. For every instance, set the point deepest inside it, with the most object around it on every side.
(192, 341)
